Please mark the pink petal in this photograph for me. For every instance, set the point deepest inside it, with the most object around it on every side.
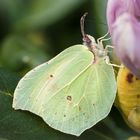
(117, 7)
(114, 9)
(126, 40)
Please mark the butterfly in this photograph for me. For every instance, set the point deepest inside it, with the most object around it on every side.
(73, 91)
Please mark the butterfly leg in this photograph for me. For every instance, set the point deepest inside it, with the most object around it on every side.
(107, 60)
(108, 46)
(98, 40)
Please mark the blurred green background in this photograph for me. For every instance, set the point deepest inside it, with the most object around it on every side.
(32, 32)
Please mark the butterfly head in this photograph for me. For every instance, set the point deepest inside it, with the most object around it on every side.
(89, 41)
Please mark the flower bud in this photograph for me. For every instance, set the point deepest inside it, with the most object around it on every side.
(115, 8)
(123, 17)
(126, 41)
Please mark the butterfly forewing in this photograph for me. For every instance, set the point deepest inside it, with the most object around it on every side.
(49, 78)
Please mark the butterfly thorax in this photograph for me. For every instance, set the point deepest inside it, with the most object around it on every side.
(96, 48)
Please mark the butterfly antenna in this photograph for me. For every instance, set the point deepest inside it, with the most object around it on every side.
(82, 24)
(86, 40)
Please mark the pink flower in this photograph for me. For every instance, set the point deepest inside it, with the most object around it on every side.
(117, 7)
(123, 18)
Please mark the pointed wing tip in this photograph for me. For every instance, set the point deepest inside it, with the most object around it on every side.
(14, 106)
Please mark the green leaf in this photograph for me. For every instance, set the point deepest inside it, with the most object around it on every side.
(70, 92)
(22, 53)
(45, 12)
(3, 139)
(117, 126)
(8, 81)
